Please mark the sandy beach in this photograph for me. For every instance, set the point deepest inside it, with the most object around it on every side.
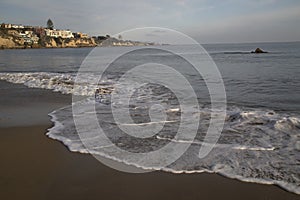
(36, 167)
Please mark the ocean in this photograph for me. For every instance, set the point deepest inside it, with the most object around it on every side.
(260, 141)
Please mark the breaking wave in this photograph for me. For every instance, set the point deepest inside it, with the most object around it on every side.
(256, 145)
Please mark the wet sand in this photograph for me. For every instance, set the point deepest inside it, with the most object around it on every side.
(36, 167)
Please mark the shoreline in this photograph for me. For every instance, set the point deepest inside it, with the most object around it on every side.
(50, 171)
(69, 47)
(34, 166)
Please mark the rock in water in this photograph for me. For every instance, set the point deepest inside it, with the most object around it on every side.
(258, 50)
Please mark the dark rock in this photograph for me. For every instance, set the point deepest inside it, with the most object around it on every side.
(258, 50)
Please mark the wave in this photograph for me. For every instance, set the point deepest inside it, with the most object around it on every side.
(256, 145)
(259, 146)
(224, 146)
(57, 82)
(236, 52)
(230, 53)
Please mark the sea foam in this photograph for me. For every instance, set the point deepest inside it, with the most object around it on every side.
(256, 145)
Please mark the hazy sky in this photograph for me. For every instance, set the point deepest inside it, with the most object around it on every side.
(207, 21)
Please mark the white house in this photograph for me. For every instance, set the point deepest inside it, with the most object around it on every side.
(59, 33)
(8, 26)
(17, 26)
(29, 33)
(29, 37)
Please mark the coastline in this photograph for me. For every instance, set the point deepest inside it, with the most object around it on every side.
(40, 47)
(71, 47)
(34, 166)
(15, 39)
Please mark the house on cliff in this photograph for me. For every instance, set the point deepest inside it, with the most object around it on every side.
(80, 35)
(17, 26)
(6, 26)
(59, 33)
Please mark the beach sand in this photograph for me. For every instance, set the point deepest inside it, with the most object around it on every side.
(36, 167)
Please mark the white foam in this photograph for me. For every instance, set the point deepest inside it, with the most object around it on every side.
(56, 82)
(174, 110)
(148, 123)
(227, 159)
(257, 146)
(236, 147)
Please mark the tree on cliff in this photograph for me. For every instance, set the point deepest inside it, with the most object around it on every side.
(50, 24)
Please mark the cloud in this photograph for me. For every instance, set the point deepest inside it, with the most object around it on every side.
(279, 25)
(211, 20)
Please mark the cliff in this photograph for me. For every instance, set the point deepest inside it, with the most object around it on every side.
(16, 39)
(50, 42)
(10, 40)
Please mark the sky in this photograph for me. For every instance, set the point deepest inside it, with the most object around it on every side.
(207, 21)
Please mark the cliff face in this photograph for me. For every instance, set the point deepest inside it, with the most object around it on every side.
(7, 43)
(49, 42)
(9, 40)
